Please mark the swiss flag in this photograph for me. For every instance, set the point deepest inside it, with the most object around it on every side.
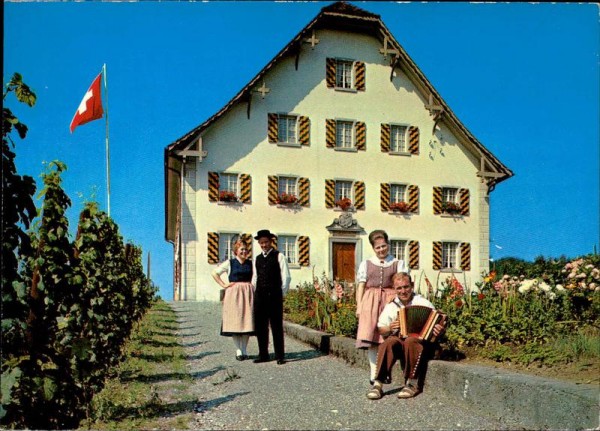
(90, 108)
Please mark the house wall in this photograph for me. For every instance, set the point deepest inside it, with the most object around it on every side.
(237, 144)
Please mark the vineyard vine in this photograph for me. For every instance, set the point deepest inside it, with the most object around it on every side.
(68, 306)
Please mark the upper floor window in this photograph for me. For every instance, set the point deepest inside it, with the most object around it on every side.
(398, 139)
(397, 193)
(344, 134)
(449, 194)
(343, 74)
(228, 187)
(343, 190)
(449, 254)
(286, 129)
(286, 244)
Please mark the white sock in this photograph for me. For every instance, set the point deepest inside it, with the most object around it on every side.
(372, 354)
(244, 343)
(237, 340)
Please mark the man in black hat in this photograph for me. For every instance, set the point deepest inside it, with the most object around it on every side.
(271, 278)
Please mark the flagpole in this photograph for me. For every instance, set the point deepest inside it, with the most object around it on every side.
(107, 143)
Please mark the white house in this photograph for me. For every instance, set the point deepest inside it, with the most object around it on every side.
(340, 115)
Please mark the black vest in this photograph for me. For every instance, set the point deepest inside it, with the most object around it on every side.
(268, 273)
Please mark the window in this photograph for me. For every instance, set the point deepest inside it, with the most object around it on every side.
(343, 189)
(226, 241)
(228, 183)
(398, 249)
(287, 185)
(449, 254)
(398, 139)
(286, 129)
(449, 194)
(287, 246)
(343, 74)
(397, 193)
(344, 131)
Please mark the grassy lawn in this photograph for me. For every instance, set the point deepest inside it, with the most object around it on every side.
(148, 389)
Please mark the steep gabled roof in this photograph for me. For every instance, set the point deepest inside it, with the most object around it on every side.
(342, 16)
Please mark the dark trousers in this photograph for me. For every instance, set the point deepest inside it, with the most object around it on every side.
(411, 352)
(268, 310)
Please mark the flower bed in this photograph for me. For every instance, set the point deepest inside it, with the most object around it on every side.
(550, 315)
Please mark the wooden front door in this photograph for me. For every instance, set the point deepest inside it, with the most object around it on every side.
(344, 261)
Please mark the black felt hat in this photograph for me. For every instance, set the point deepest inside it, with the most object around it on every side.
(264, 233)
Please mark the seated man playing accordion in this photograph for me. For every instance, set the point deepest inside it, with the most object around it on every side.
(407, 347)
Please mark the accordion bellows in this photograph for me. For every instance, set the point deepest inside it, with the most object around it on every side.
(418, 321)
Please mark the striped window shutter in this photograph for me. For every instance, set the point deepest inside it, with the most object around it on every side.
(413, 254)
(413, 198)
(385, 197)
(304, 130)
(329, 193)
(304, 192)
(359, 195)
(247, 238)
(464, 201)
(330, 72)
(437, 255)
(213, 247)
(437, 200)
(303, 251)
(272, 128)
(245, 188)
(413, 140)
(385, 138)
(213, 186)
(330, 133)
(465, 256)
(360, 75)
(273, 190)
(361, 136)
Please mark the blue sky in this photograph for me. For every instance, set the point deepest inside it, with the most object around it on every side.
(523, 78)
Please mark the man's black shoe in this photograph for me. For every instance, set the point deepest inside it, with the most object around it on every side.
(280, 361)
(259, 360)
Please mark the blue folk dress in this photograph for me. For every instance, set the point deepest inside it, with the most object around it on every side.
(238, 300)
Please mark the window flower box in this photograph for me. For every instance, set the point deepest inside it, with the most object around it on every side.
(401, 207)
(287, 199)
(451, 208)
(226, 196)
(344, 204)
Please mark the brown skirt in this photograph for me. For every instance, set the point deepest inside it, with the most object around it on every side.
(237, 310)
(373, 301)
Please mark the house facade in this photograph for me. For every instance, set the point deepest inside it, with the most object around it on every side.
(338, 135)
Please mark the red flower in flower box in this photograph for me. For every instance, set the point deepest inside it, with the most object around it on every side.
(400, 207)
(226, 196)
(451, 208)
(344, 203)
(287, 199)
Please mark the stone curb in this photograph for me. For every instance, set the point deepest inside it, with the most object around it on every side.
(533, 401)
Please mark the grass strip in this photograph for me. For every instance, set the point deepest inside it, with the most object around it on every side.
(147, 390)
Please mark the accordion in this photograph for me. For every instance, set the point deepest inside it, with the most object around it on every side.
(418, 321)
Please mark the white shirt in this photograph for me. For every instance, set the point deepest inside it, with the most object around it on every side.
(390, 311)
(361, 275)
(283, 267)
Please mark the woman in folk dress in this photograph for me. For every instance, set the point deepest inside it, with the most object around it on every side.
(373, 292)
(238, 300)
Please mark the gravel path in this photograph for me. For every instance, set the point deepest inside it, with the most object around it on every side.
(311, 391)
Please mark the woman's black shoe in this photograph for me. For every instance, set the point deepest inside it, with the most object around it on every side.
(239, 357)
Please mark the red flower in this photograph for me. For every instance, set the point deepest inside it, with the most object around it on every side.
(344, 203)
(399, 206)
(458, 303)
(480, 296)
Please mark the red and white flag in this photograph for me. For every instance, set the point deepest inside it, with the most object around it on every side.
(90, 108)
